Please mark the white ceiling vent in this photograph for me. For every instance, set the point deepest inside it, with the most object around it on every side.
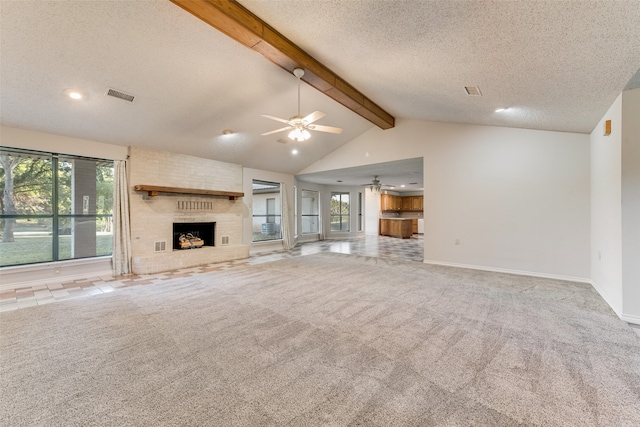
(121, 95)
(473, 90)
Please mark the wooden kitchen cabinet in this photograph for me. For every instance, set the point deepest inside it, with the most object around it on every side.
(417, 203)
(385, 227)
(414, 226)
(389, 202)
(386, 202)
(407, 203)
(396, 228)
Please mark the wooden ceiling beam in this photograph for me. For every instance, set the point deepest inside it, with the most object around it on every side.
(232, 19)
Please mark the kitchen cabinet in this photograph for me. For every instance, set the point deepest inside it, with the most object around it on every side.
(407, 203)
(414, 226)
(385, 227)
(399, 227)
(417, 203)
(390, 202)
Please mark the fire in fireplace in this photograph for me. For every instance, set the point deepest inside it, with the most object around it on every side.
(198, 230)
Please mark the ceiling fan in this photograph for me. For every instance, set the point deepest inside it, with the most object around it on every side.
(375, 185)
(300, 126)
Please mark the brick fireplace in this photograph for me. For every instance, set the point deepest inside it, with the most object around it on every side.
(153, 218)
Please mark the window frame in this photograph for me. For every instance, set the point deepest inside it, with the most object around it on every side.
(311, 215)
(57, 219)
(259, 237)
(341, 215)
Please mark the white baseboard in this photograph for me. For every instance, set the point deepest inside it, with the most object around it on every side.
(508, 271)
(631, 319)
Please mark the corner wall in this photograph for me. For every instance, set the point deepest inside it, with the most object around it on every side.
(606, 225)
(631, 205)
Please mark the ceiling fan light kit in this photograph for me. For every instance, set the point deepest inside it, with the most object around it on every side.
(375, 186)
(298, 125)
(299, 135)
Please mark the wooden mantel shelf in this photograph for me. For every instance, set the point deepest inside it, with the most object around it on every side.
(153, 190)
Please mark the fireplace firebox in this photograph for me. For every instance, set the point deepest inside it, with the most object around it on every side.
(202, 230)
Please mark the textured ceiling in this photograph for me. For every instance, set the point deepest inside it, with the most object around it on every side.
(557, 64)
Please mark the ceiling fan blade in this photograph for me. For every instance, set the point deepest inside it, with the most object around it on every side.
(322, 128)
(277, 130)
(316, 115)
(278, 119)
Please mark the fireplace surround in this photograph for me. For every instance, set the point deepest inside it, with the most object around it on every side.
(203, 230)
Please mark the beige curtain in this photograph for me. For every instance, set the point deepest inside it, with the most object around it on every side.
(287, 236)
(121, 229)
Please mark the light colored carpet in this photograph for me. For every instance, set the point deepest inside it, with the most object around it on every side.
(324, 339)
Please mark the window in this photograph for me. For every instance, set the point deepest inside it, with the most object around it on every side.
(339, 211)
(266, 211)
(54, 207)
(271, 211)
(310, 212)
(360, 211)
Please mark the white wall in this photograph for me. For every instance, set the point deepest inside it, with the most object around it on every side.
(516, 199)
(631, 205)
(33, 140)
(606, 212)
(372, 212)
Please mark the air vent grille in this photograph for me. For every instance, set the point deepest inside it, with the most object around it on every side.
(225, 240)
(119, 94)
(160, 246)
(473, 90)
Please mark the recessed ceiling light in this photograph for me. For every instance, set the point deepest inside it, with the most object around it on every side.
(227, 132)
(74, 94)
(294, 151)
(402, 186)
(501, 109)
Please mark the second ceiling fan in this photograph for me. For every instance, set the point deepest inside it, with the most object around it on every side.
(298, 125)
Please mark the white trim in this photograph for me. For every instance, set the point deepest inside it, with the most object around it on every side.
(508, 271)
(606, 298)
(14, 277)
(629, 318)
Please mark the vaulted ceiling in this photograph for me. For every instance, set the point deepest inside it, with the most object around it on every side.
(557, 65)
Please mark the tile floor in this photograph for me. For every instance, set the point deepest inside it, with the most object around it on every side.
(375, 246)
